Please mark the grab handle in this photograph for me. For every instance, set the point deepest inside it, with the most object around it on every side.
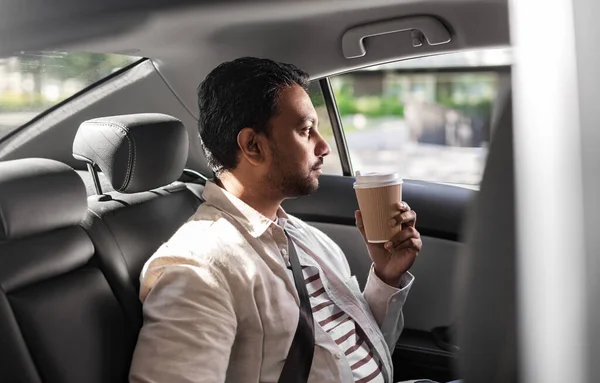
(423, 28)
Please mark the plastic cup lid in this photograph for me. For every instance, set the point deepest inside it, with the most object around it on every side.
(369, 180)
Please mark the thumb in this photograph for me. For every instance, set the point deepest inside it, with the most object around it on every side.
(359, 223)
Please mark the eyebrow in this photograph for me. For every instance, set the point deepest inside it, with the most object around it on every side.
(308, 119)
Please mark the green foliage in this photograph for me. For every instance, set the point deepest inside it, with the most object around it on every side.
(346, 104)
(85, 66)
(390, 106)
(11, 102)
(370, 106)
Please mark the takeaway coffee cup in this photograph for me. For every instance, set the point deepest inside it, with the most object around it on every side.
(377, 195)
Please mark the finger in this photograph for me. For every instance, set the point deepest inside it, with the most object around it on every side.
(403, 235)
(402, 206)
(409, 217)
(359, 222)
(412, 244)
(358, 218)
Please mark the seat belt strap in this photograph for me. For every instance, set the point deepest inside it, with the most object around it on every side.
(300, 356)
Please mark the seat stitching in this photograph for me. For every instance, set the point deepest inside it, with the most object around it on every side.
(134, 157)
(131, 149)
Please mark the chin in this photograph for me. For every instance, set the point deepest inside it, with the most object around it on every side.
(308, 187)
(301, 187)
(313, 185)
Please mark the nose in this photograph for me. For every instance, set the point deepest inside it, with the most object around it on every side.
(322, 148)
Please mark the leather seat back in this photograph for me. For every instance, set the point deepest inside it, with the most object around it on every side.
(138, 154)
(487, 301)
(59, 319)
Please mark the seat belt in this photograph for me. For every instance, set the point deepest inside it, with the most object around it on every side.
(299, 359)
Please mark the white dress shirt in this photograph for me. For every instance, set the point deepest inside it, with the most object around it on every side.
(219, 306)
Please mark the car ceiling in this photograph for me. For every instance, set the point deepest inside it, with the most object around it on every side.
(186, 39)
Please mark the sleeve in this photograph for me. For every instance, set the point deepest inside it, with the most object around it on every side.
(386, 304)
(189, 327)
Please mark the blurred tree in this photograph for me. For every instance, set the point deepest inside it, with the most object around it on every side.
(40, 68)
(85, 66)
(61, 66)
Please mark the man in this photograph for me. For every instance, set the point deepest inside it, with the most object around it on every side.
(220, 304)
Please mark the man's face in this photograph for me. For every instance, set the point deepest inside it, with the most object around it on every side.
(296, 146)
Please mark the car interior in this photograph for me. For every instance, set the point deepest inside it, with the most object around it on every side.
(96, 180)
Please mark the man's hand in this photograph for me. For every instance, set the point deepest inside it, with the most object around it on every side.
(393, 258)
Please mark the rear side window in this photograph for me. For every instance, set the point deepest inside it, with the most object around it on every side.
(32, 82)
(428, 118)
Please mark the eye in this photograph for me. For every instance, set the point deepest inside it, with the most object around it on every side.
(307, 130)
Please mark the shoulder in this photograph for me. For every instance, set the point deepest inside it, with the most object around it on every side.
(207, 246)
(208, 234)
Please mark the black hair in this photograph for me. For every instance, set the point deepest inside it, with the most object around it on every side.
(239, 94)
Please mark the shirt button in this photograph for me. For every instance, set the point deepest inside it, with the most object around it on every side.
(338, 355)
(283, 251)
(394, 300)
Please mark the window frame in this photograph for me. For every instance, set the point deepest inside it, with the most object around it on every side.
(336, 126)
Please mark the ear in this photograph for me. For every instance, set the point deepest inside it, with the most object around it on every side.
(252, 146)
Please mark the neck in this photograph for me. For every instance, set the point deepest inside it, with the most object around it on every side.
(251, 193)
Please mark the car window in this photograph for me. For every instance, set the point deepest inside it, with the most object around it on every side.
(331, 163)
(427, 118)
(32, 82)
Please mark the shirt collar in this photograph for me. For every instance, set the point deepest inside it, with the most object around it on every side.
(255, 223)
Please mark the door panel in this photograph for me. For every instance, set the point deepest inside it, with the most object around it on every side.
(431, 297)
(440, 210)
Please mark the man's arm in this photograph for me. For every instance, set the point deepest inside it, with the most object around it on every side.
(386, 304)
(389, 280)
(189, 327)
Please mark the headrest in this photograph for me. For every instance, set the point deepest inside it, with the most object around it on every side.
(39, 195)
(487, 294)
(136, 152)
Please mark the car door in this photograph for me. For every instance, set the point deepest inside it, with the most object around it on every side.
(408, 117)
